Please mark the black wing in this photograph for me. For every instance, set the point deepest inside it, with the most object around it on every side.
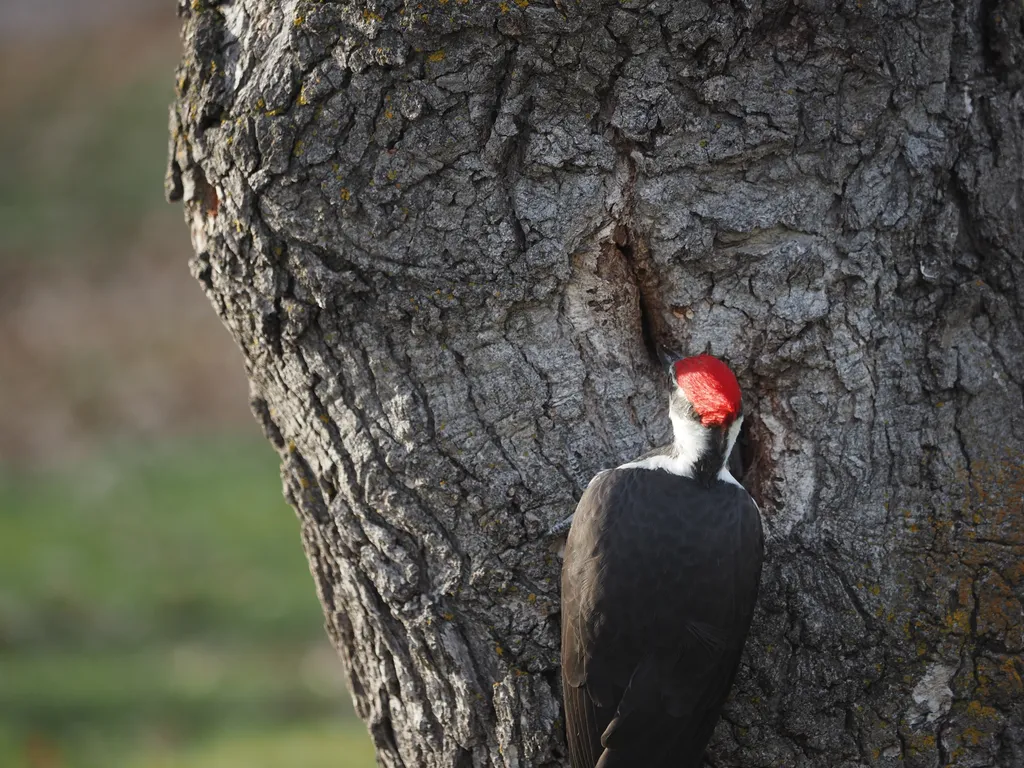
(658, 588)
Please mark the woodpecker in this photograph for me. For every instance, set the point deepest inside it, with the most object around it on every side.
(659, 581)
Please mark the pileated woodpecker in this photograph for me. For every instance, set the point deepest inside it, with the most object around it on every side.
(659, 581)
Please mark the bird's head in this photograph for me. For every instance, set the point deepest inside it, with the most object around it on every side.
(706, 412)
(705, 392)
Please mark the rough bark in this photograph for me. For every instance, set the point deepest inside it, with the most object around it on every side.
(447, 235)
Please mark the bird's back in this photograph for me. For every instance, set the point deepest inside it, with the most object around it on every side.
(658, 587)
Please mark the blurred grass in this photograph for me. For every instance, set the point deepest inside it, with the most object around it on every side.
(156, 609)
(126, 547)
(318, 745)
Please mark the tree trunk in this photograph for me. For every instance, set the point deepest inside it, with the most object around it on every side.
(447, 237)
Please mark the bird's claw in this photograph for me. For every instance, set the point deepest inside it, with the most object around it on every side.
(560, 527)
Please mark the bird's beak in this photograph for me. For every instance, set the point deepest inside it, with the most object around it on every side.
(668, 358)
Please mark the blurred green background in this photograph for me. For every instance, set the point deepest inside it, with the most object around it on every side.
(155, 605)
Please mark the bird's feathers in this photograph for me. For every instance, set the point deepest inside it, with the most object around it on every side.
(658, 588)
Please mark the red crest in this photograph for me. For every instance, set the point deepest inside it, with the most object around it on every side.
(710, 387)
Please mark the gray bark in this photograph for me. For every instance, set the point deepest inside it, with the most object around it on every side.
(447, 236)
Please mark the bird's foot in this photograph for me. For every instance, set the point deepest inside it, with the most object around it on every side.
(560, 527)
